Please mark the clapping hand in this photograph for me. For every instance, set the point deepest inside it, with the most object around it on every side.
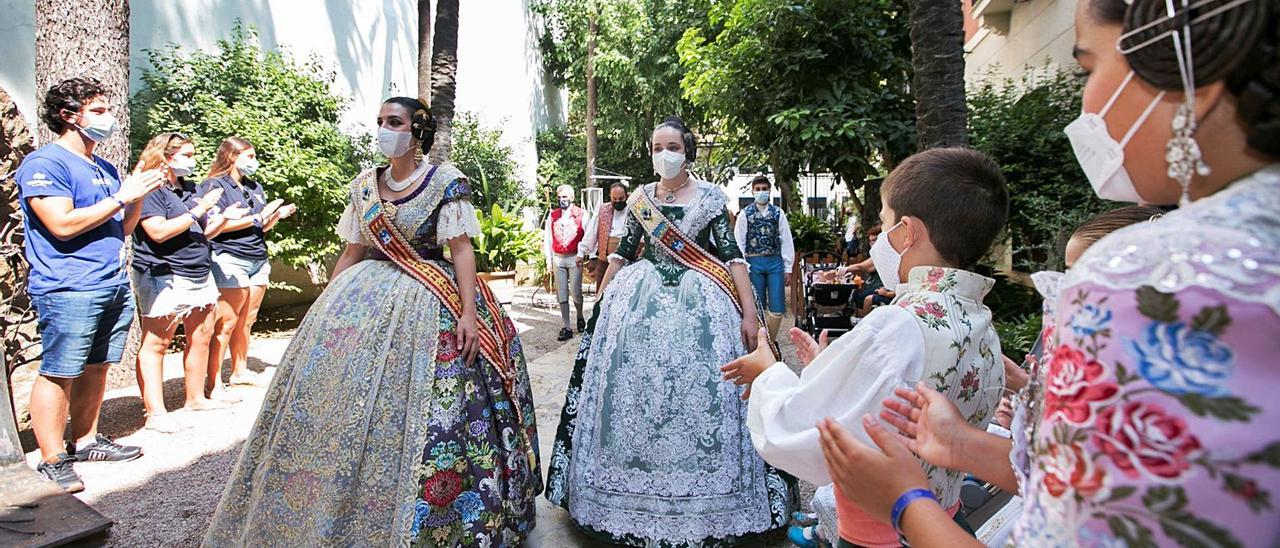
(210, 199)
(872, 478)
(138, 184)
(929, 424)
(806, 347)
(287, 210)
(235, 212)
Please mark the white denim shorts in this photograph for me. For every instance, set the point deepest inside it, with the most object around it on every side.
(165, 295)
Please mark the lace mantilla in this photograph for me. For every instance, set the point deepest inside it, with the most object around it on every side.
(1228, 242)
(457, 218)
(701, 211)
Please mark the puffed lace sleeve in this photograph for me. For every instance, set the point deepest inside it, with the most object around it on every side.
(457, 216)
(349, 226)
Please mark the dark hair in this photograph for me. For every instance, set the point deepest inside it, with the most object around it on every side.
(874, 231)
(69, 95)
(619, 184)
(1107, 222)
(690, 142)
(959, 195)
(422, 125)
(1239, 46)
(760, 179)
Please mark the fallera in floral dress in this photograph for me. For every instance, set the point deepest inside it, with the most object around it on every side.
(1158, 417)
(375, 432)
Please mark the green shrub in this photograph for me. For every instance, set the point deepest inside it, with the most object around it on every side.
(479, 153)
(1019, 124)
(503, 241)
(812, 234)
(1017, 335)
(282, 106)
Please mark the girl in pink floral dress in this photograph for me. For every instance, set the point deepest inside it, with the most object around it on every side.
(1155, 421)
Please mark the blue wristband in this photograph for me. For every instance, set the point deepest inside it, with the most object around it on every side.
(903, 502)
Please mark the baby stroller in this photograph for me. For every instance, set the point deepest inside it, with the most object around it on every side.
(823, 304)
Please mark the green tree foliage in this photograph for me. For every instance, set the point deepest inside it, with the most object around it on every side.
(637, 75)
(1019, 124)
(818, 85)
(282, 106)
(479, 153)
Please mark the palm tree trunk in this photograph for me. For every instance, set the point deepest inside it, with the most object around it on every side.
(444, 77)
(593, 145)
(937, 57)
(424, 49)
(16, 141)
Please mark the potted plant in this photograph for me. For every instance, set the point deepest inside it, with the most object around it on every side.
(502, 242)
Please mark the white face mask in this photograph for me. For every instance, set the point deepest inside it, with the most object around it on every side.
(1100, 156)
(887, 260)
(246, 165)
(100, 126)
(394, 144)
(668, 163)
(762, 197)
(182, 165)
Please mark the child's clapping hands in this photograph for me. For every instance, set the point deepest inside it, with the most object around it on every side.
(744, 370)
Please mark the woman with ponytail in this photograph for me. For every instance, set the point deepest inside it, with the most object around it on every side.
(401, 412)
(1153, 421)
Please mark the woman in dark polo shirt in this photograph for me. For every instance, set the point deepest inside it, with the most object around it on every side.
(241, 268)
(171, 275)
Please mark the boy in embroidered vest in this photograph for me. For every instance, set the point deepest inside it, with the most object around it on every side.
(764, 236)
(944, 208)
(563, 234)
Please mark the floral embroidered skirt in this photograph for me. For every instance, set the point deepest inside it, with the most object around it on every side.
(653, 448)
(375, 432)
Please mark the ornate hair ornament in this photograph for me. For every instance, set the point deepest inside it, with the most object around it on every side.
(1182, 153)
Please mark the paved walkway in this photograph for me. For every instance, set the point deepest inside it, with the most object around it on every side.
(167, 497)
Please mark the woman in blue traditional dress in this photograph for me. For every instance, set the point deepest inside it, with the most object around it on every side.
(653, 447)
(401, 412)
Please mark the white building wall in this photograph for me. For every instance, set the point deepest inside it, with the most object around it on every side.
(370, 45)
(1015, 36)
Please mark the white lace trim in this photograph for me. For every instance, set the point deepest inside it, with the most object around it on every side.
(738, 260)
(613, 256)
(349, 228)
(1228, 243)
(457, 218)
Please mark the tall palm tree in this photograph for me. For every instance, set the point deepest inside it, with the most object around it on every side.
(444, 77)
(593, 144)
(424, 49)
(937, 56)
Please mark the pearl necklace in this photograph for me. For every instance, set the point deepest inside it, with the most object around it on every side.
(671, 192)
(398, 186)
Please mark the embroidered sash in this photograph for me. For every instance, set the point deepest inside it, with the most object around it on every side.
(495, 339)
(666, 235)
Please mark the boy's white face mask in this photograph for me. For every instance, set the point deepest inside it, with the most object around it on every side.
(887, 260)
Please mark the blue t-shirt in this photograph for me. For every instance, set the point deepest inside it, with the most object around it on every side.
(186, 254)
(246, 243)
(93, 260)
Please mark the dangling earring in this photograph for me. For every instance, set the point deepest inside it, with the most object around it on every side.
(1183, 153)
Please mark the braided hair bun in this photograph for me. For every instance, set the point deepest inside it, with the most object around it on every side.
(1238, 45)
(422, 125)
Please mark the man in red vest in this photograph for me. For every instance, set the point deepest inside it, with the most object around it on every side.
(564, 231)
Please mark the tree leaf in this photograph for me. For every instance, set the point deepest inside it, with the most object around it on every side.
(1161, 307)
(1230, 408)
(1212, 319)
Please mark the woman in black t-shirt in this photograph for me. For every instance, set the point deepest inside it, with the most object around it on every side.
(241, 268)
(171, 276)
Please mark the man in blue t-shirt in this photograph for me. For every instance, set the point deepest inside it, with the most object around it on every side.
(76, 213)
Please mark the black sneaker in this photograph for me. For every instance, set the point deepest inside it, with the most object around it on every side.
(565, 334)
(103, 449)
(582, 324)
(62, 473)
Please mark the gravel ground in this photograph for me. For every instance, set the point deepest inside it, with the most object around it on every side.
(167, 497)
